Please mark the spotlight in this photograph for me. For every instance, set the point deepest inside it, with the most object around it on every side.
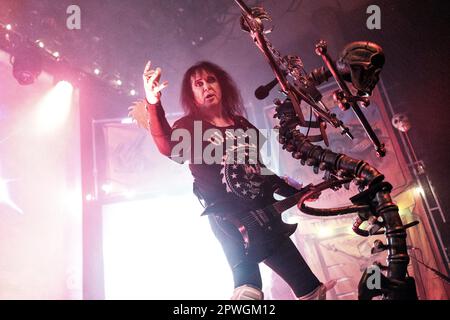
(97, 71)
(53, 110)
(27, 65)
(8, 27)
(132, 92)
(419, 190)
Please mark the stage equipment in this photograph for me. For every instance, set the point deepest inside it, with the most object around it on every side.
(359, 65)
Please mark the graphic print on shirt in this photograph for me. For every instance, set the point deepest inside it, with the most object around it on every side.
(240, 175)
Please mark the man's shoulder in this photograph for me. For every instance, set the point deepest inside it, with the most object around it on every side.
(241, 121)
(185, 122)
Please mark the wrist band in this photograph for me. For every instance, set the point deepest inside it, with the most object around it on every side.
(148, 104)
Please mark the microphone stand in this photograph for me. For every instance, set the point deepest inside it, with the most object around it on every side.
(374, 200)
(294, 93)
(350, 100)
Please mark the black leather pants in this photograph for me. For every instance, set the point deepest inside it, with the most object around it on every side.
(284, 259)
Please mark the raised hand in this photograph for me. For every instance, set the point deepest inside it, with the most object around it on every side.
(152, 86)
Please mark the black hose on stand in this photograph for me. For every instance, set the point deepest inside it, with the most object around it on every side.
(373, 204)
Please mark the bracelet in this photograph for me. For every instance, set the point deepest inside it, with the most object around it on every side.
(148, 104)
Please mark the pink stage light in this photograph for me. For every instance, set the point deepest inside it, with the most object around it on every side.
(54, 109)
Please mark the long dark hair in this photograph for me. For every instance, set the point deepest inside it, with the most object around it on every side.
(231, 98)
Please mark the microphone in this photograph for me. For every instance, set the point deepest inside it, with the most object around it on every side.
(317, 77)
(263, 91)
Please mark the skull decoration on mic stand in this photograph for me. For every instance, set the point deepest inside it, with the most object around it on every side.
(400, 121)
(360, 63)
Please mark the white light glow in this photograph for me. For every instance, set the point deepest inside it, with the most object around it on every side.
(56, 54)
(54, 108)
(72, 200)
(132, 92)
(126, 121)
(129, 194)
(119, 82)
(325, 232)
(89, 197)
(8, 27)
(40, 44)
(5, 198)
(162, 249)
(107, 188)
(97, 71)
(419, 190)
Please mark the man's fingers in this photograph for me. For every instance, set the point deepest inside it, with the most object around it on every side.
(162, 86)
(147, 66)
(152, 76)
(155, 76)
(158, 74)
(150, 73)
(147, 75)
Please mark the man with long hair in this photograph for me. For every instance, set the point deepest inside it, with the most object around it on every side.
(213, 106)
